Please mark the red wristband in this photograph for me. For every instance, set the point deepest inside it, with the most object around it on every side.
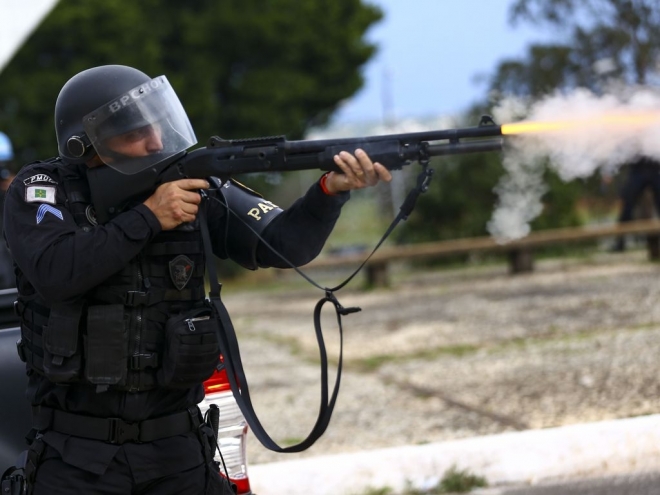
(324, 187)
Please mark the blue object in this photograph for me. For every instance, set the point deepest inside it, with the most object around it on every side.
(6, 151)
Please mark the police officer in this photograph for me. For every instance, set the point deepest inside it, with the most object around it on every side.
(102, 304)
(6, 175)
(643, 173)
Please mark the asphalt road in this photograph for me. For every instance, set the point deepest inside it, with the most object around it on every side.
(638, 484)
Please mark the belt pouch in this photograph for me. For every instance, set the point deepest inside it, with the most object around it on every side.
(62, 357)
(106, 345)
(191, 349)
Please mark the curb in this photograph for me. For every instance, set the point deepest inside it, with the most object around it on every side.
(527, 457)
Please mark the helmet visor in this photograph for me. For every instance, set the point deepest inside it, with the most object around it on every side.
(140, 128)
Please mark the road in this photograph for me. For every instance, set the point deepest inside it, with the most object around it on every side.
(456, 354)
(638, 484)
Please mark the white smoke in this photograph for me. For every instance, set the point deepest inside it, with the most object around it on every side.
(597, 142)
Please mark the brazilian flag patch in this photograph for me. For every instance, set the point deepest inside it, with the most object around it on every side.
(40, 194)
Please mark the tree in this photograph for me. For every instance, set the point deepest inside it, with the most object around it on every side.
(242, 68)
(603, 39)
(460, 197)
(459, 200)
(599, 44)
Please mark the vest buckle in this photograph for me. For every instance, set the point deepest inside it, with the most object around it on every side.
(136, 298)
(142, 361)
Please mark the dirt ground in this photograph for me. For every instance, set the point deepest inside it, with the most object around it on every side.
(454, 353)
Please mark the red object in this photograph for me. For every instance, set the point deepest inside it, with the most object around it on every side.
(324, 187)
(232, 429)
(218, 382)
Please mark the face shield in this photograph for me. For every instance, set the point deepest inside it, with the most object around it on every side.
(140, 128)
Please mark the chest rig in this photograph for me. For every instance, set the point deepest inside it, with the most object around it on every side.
(113, 337)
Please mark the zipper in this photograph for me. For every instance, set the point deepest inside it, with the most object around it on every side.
(142, 284)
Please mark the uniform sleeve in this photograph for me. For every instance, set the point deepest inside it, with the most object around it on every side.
(60, 259)
(300, 232)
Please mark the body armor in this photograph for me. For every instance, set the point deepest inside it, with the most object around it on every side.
(114, 336)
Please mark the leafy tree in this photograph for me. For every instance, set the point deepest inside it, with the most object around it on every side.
(602, 39)
(598, 42)
(459, 201)
(241, 67)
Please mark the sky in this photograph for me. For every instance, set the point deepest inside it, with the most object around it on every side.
(17, 20)
(429, 54)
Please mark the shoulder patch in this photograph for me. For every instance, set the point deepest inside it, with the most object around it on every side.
(40, 194)
(39, 178)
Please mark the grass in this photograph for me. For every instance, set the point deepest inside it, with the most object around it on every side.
(454, 480)
(460, 481)
(374, 362)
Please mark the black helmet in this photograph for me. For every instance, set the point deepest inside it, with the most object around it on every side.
(111, 100)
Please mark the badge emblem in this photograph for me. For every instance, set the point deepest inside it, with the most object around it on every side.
(181, 270)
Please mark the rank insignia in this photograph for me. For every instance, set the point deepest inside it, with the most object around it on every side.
(43, 209)
(181, 270)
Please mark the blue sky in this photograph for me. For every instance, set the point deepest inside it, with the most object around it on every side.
(430, 52)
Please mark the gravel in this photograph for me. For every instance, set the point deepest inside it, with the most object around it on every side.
(447, 354)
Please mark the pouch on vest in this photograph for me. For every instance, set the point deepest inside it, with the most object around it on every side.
(62, 357)
(191, 351)
(106, 345)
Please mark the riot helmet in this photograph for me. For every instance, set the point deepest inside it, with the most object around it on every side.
(100, 105)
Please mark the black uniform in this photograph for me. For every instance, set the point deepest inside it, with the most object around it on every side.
(643, 173)
(61, 258)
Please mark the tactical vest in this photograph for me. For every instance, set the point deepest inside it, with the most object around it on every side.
(113, 337)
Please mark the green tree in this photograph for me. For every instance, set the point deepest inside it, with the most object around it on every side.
(242, 68)
(597, 43)
(460, 198)
(597, 40)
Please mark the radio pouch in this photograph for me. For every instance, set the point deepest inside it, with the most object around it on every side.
(61, 338)
(106, 347)
(191, 349)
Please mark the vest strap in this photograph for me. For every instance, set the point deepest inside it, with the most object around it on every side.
(161, 270)
(154, 296)
(170, 248)
(142, 361)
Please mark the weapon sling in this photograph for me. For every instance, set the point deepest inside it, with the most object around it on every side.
(228, 342)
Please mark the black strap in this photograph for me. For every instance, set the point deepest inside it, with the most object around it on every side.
(228, 341)
(150, 297)
(229, 348)
(168, 248)
(114, 430)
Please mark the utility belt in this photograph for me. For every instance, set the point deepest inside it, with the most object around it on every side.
(116, 430)
(20, 479)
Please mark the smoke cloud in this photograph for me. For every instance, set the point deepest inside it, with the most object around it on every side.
(603, 133)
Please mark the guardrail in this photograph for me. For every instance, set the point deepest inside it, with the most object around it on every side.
(520, 251)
